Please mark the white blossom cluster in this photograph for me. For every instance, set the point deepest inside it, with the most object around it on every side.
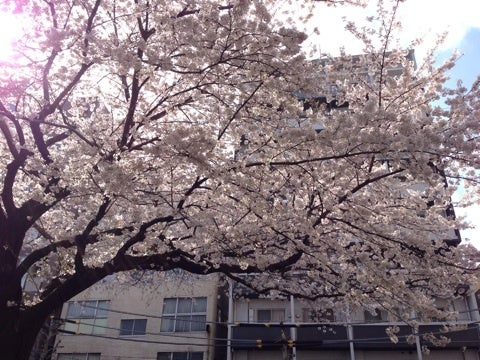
(192, 135)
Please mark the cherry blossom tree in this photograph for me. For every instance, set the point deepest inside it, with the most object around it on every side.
(159, 135)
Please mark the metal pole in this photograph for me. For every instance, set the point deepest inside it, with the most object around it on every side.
(230, 319)
(293, 330)
(350, 334)
(419, 347)
(417, 339)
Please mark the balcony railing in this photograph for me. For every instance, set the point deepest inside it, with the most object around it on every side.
(329, 336)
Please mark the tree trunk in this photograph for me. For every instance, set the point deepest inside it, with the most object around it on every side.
(18, 331)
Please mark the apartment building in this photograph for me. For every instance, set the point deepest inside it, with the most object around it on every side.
(263, 328)
(182, 318)
(166, 316)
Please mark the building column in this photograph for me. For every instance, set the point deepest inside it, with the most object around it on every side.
(474, 314)
(473, 307)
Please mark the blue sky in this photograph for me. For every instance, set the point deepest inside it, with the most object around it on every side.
(467, 69)
(468, 64)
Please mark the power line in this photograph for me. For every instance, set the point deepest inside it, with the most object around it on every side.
(267, 324)
(267, 343)
(178, 335)
(144, 341)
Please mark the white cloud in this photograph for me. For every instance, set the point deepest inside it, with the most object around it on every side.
(425, 19)
(472, 214)
(428, 17)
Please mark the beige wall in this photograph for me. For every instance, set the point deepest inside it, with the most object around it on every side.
(144, 299)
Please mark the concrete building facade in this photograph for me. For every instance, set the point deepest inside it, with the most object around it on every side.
(184, 317)
(165, 317)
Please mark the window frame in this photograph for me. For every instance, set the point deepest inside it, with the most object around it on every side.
(132, 331)
(91, 315)
(380, 316)
(190, 355)
(326, 315)
(74, 356)
(272, 315)
(178, 321)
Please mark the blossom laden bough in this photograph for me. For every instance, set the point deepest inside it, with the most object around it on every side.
(198, 137)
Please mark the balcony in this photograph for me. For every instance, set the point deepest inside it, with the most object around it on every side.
(335, 336)
(373, 337)
(247, 336)
(469, 336)
(309, 336)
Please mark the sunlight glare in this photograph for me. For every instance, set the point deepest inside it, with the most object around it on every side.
(10, 32)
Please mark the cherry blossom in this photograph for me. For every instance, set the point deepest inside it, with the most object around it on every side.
(197, 136)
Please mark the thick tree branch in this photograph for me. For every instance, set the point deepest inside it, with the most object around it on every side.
(8, 137)
(9, 181)
(81, 240)
(141, 233)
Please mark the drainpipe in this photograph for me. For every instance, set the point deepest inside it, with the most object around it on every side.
(230, 319)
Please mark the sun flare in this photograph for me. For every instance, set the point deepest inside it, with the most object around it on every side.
(10, 32)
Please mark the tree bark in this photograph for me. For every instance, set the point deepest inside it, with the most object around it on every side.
(18, 331)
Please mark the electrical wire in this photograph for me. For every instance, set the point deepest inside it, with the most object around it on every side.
(267, 324)
(255, 342)
(178, 335)
(143, 341)
(260, 343)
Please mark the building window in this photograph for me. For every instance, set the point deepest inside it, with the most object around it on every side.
(132, 327)
(184, 314)
(79, 356)
(376, 316)
(270, 315)
(446, 308)
(317, 316)
(332, 90)
(90, 315)
(180, 356)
